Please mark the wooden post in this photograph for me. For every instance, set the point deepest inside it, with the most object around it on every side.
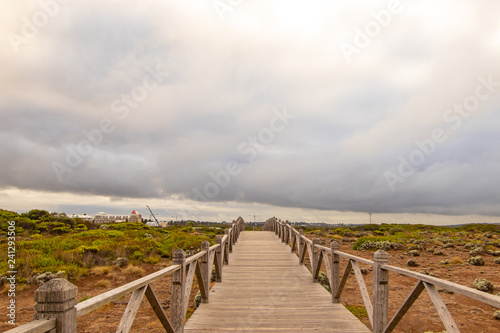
(218, 256)
(56, 299)
(293, 239)
(226, 247)
(302, 245)
(206, 271)
(335, 273)
(177, 310)
(380, 292)
(229, 242)
(315, 259)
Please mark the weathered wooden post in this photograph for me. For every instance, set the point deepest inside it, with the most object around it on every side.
(315, 260)
(229, 242)
(380, 292)
(227, 247)
(218, 254)
(335, 271)
(293, 239)
(177, 305)
(56, 299)
(206, 271)
(302, 244)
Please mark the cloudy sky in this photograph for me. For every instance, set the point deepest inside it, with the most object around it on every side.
(211, 109)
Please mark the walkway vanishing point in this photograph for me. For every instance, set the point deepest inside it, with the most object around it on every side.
(265, 289)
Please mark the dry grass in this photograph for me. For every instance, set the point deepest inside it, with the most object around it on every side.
(101, 270)
(134, 270)
(457, 261)
(103, 284)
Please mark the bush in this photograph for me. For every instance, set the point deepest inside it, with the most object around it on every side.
(197, 300)
(483, 285)
(412, 263)
(395, 230)
(323, 280)
(476, 261)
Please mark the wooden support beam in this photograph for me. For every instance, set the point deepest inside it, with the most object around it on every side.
(132, 307)
(345, 276)
(412, 297)
(158, 310)
(442, 310)
(364, 292)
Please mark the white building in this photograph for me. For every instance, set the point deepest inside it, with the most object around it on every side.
(102, 217)
(84, 217)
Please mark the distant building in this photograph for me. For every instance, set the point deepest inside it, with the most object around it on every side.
(109, 218)
(135, 217)
(83, 217)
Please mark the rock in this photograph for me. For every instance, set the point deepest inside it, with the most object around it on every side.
(148, 236)
(438, 253)
(496, 315)
(497, 261)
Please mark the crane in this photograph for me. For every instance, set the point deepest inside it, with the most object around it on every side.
(153, 216)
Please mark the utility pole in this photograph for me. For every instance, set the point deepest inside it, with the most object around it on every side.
(254, 221)
(370, 217)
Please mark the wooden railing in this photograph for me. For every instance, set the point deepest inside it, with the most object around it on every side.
(57, 311)
(377, 310)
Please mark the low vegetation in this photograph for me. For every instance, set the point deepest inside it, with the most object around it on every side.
(54, 243)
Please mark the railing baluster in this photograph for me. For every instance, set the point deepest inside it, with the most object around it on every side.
(177, 310)
(335, 273)
(380, 292)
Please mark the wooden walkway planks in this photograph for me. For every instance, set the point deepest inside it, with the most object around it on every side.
(264, 289)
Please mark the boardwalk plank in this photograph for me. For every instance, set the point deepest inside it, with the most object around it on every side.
(264, 289)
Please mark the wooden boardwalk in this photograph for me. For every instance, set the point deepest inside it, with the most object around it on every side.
(265, 289)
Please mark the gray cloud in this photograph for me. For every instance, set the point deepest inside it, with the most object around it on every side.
(220, 86)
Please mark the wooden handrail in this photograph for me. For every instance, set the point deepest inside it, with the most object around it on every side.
(98, 301)
(36, 326)
(182, 272)
(379, 316)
